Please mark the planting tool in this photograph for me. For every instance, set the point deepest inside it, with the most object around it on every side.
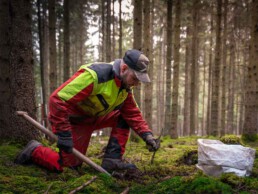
(157, 140)
(54, 137)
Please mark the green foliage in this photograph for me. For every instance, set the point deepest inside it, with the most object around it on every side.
(230, 139)
(179, 185)
(171, 172)
(207, 185)
(249, 138)
(240, 182)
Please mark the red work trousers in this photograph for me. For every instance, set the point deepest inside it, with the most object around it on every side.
(81, 133)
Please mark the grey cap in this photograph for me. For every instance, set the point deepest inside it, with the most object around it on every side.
(138, 62)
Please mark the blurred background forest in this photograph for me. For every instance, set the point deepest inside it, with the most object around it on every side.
(203, 53)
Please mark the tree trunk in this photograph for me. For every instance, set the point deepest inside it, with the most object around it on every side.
(66, 40)
(175, 105)
(137, 40)
(60, 52)
(147, 48)
(186, 126)
(230, 116)
(168, 111)
(208, 125)
(204, 93)
(242, 92)
(45, 38)
(216, 75)
(103, 32)
(161, 75)
(43, 65)
(251, 103)
(16, 70)
(194, 73)
(82, 30)
(224, 71)
(113, 45)
(52, 46)
(108, 32)
(120, 29)
(163, 78)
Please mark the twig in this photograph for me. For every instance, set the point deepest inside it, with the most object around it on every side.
(83, 185)
(48, 188)
(152, 157)
(126, 190)
(165, 178)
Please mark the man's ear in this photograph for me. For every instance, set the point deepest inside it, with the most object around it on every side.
(123, 67)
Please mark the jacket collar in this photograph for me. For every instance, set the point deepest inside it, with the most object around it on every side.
(116, 70)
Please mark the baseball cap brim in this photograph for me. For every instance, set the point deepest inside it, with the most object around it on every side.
(143, 77)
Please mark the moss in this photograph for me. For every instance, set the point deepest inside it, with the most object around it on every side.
(170, 173)
(249, 138)
(178, 185)
(232, 180)
(189, 157)
(240, 183)
(168, 186)
(206, 185)
(230, 139)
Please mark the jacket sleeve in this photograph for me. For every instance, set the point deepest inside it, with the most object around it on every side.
(63, 101)
(132, 115)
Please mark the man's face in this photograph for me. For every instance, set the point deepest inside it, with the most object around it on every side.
(129, 78)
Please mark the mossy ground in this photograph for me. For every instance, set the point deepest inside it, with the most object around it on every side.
(173, 171)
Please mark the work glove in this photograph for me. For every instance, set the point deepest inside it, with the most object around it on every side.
(65, 141)
(152, 143)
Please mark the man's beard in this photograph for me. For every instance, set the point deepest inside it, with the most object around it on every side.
(126, 86)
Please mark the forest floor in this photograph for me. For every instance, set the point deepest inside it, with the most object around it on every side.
(173, 171)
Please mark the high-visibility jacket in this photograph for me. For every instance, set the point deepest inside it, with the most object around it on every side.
(94, 91)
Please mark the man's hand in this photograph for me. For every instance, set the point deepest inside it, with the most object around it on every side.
(152, 143)
(65, 141)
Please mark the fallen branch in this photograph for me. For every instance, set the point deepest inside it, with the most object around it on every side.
(126, 190)
(83, 185)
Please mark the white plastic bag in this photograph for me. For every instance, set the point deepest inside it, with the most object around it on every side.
(215, 158)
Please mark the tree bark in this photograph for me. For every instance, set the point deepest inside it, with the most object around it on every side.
(251, 103)
(186, 125)
(147, 49)
(168, 111)
(230, 115)
(103, 32)
(204, 92)
(137, 40)
(208, 125)
(194, 73)
(224, 71)
(16, 70)
(43, 65)
(108, 32)
(175, 105)
(52, 46)
(216, 75)
(66, 40)
(113, 45)
(120, 29)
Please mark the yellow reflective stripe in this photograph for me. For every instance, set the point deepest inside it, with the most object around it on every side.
(93, 73)
(76, 86)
